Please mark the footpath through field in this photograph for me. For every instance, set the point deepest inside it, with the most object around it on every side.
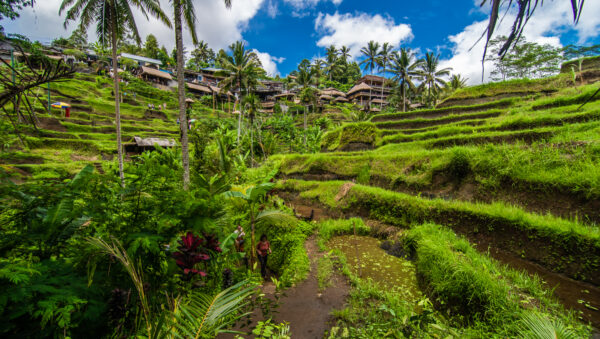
(304, 307)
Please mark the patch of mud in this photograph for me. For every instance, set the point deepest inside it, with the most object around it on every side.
(304, 307)
(344, 191)
(80, 157)
(52, 124)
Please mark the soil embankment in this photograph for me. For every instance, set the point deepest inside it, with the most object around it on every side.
(577, 295)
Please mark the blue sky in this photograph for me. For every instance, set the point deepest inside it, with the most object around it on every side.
(283, 32)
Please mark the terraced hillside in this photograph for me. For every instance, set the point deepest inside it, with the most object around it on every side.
(512, 166)
(61, 146)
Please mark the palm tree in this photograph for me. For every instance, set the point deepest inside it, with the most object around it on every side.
(456, 82)
(404, 67)
(371, 54)
(384, 58)
(432, 76)
(331, 59)
(253, 195)
(184, 8)
(202, 53)
(240, 71)
(118, 15)
(251, 104)
(304, 79)
(344, 54)
(317, 70)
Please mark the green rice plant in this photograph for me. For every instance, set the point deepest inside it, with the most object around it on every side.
(565, 239)
(477, 291)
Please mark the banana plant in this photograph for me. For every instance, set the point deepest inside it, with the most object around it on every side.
(253, 196)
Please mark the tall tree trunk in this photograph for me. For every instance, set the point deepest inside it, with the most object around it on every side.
(251, 142)
(252, 238)
(370, 91)
(115, 66)
(185, 155)
(304, 126)
(404, 97)
(239, 131)
(382, 87)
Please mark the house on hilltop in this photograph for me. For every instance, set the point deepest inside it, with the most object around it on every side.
(368, 92)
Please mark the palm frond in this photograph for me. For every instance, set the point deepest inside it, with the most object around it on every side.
(535, 326)
(275, 217)
(203, 316)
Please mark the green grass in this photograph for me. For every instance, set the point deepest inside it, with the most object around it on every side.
(364, 132)
(476, 290)
(565, 240)
(517, 86)
(445, 110)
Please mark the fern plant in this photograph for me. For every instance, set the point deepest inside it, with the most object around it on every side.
(195, 316)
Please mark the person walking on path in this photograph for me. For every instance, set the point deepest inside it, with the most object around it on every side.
(264, 249)
(239, 240)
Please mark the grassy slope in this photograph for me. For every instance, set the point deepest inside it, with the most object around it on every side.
(68, 144)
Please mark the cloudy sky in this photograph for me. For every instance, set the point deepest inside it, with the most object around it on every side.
(283, 32)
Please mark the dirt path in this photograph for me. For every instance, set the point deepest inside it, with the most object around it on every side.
(304, 307)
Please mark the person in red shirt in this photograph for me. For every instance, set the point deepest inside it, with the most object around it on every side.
(263, 249)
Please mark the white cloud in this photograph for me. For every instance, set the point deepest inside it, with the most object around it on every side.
(272, 9)
(269, 62)
(355, 31)
(303, 4)
(215, 24)
(544, 27)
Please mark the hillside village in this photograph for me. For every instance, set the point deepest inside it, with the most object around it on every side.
(367, 196)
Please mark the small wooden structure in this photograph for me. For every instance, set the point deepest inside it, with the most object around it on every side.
(155, 76)
(139, 145)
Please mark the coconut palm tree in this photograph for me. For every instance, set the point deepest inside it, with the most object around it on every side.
(432, 76)
(331, 57)
(251, 104)
(404, 67)
(184, 8)
(384, 58)
(344, 54)
(240, 71)
(304, 79)
(117, 15)
(371, 54)
(456, 82)
(317, 69)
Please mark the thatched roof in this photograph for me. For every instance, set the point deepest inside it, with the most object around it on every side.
(378, 101)
(191, 101)
(199, 88)
(156, 73)
(150, 142)
(373, 78)
(360, 87)
(333, 92)
(326, 97)
(268, 104)
(284, 95)
(340, 99)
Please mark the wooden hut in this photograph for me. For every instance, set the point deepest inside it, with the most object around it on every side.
(139, 145)
(155, 76)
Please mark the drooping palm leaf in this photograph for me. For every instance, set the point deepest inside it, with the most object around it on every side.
(204, 316)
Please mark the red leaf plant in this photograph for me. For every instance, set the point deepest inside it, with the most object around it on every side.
(190, 252)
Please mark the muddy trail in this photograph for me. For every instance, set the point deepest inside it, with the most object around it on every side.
(304, 306)
(577, 295)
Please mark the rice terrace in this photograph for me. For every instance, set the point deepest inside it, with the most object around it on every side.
(299, 169)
